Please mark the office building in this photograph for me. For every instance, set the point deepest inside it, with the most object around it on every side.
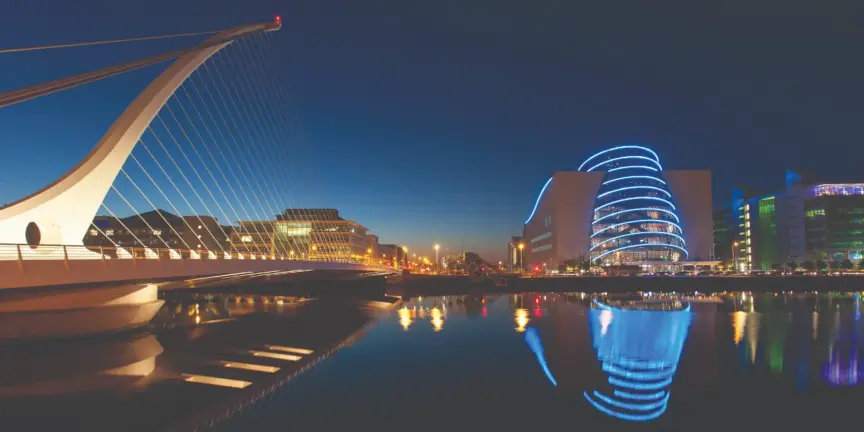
(809, 220)
(159, 229)
(723, 234)
(621, 207)
(514, 255)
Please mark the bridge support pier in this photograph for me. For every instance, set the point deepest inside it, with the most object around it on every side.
(66, 312)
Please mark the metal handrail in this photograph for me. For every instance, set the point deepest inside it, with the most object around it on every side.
(48, 252)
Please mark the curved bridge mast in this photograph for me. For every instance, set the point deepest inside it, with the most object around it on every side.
(62, 212)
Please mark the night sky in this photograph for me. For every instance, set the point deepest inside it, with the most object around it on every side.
(437, 121)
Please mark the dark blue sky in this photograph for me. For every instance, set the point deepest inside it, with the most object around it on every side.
(440, 121)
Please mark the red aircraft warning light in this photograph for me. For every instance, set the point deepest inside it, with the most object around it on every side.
(278, 19)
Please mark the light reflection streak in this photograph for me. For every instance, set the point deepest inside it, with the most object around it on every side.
(532, 338)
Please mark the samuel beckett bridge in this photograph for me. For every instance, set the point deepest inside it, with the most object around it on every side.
(207, 138)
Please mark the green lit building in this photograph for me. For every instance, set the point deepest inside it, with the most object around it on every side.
(755, 239)
(807, 221)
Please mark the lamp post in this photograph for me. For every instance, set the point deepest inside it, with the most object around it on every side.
(734, 261)
(437, 270)
(521, 257)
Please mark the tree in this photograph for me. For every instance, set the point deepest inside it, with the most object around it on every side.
(791, 265)
(821, 265)
(861, 264)
(808, 265)
(846, 264)
(834, 265)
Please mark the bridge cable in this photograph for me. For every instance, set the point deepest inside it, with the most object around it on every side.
(222, 154)
(173, 207)
(287, 186)
(153, 231)
(126, 228)
(190, 163)
(277, 90)
(200, 158)
(183, 197)
(268, 130)
(274, 109)
(254, 223)
(101, 42)
(186, 179)
(319, 227)
(170, 111)
(158, 211)
(104, 235)
(272, 138)
(269, 191)
(245, 146)
(264, 157)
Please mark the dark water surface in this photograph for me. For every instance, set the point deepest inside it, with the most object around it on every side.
(551, 361)
(494, 362)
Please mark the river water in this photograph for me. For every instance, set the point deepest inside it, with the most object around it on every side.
(551, 361)
(492, 362)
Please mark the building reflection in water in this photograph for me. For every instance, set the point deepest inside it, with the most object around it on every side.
(521, 319)
(405, 318)
(639, 350)
(436, 313)
(843, 368)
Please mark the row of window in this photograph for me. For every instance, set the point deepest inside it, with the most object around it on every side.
(543, 236)
(542, 248)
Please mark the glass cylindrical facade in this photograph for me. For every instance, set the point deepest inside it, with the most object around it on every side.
(635, 219)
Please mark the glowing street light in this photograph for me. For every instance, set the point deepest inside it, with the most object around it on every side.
(521, 257)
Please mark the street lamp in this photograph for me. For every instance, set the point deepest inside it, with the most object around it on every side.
(521, 257)
(437, 270)
(734, 261)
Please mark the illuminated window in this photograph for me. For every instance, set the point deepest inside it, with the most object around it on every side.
(156, 232)
(246, 238)
(94, 232)
(109, 232)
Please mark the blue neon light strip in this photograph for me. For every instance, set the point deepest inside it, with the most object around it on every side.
(640, 386)
(623, 416)
(639, 364)
(638, 209)
(634, 222)
(634, 187)
(638, 375)
(636, 198)
(622, 158)
(657, 158)
(639, 233)
(634, 177)
(634, 167)
(640, 396)
(640, 245)
(632, 406)
(538, 200)
(532, 338)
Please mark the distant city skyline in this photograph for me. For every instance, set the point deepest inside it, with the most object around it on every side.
(442, 123)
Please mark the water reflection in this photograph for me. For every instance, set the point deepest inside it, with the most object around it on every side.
(521, 319)
(532, 338)
(639, 350)
(88, 364)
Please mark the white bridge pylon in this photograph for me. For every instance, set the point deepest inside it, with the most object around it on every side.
(61, 213)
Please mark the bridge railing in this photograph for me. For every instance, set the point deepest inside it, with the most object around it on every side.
(26, 252)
